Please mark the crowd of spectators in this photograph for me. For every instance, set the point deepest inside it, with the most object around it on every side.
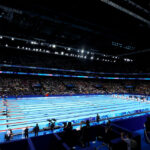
(29, 85)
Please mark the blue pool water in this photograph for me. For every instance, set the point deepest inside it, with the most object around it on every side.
(24, 112)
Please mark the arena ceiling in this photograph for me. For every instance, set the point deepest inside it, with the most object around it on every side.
(114, 27)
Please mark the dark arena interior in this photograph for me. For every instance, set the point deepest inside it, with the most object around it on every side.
(75, 75)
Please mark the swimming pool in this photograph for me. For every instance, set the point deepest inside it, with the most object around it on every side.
(24, 112)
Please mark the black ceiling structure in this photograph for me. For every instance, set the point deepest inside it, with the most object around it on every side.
(113, 27)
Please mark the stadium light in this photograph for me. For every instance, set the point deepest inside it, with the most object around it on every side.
(34, 42)
(92, 58)
(56, 52)
(53, 46)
